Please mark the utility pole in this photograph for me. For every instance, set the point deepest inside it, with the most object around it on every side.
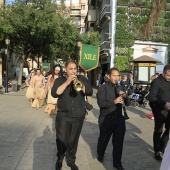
(113, 31)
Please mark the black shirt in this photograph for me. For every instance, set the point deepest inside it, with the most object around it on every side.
(71, 103)
(159, 91)
(106, 95)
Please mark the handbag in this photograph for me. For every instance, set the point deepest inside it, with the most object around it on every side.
(88, 106)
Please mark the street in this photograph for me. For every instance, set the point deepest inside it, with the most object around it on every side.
(27, 138)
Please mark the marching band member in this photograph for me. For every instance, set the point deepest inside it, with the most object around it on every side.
(159, 98)
(111, 120)
(70, 114)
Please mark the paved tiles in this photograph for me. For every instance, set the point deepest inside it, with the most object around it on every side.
(27, 138)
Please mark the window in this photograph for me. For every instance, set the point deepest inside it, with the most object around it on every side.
(67, 2)
(83, 7)
(83, 29)
(75, 2)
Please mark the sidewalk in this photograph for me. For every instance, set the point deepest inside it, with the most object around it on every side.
(27, 138)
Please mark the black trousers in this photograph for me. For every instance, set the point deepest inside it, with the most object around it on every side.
(115, 127)
(160, 138)
(68, 131)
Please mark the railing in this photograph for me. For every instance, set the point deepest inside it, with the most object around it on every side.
(105, 46)
(105, 12)
(96, 24)
(75, 7)
(75, 13)
(106, 2)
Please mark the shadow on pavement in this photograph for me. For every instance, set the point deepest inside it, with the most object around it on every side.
(137, 154)
(136, 111)
(44, 148)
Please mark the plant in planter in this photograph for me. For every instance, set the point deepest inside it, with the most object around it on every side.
(121, 62)
(167, 15)
(145, 12)
(137, 2)
(167, 6)
(120, 2)
(162, 14)
(122, 17)
(122, 10)
(167, 22)
(160, 22)
(135, 11)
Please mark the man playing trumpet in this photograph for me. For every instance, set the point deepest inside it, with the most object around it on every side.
(70, 114)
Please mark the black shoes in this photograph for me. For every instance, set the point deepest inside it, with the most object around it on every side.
(119, 167)
(100, 159)
(158, 156)
(58, 164)
(73, 166)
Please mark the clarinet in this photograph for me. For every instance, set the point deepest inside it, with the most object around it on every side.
(123, 106)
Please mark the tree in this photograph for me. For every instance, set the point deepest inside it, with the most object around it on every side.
(36, 30)
(156, 7)
(92, 38)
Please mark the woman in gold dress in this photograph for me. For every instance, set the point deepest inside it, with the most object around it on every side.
(52, 102)
(28, 82)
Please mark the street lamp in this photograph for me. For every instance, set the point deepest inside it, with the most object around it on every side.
(7, 42)
(79, 42)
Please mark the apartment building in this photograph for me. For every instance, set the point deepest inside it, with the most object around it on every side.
(99, 18)
(77, 9)
(2, 2)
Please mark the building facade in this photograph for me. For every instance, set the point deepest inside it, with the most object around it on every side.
(77, 9)
(2, 2)
(99, 18)
(118, 23)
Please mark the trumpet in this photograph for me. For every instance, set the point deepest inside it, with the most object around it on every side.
(78, 85)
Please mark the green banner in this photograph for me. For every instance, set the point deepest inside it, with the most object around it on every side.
(89, 57)
(46, 66)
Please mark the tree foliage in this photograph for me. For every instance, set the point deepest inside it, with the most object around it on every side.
(92, 38)
(35, 29)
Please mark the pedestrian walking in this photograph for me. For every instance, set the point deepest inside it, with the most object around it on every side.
(29, 82)
(70, 114)
(111, 120)
(39, 89)
(159, 98)
(131, 81)
(125, 83)
(51, 101)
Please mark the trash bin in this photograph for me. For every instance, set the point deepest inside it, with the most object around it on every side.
(14, 85)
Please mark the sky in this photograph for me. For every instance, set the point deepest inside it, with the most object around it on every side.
(7, 2)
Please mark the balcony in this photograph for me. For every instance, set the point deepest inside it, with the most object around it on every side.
(75, 7)
(105, 13)
(83, 14)
(104, 48)
(92, 15)
(75, 13)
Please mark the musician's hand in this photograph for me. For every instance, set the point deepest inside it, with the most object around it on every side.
(70, 79)
(122, 93)
(119, 100)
